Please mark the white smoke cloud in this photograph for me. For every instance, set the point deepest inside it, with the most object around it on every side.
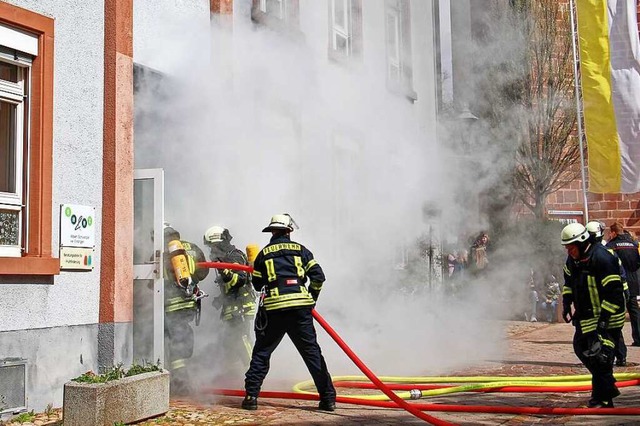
(269, 125)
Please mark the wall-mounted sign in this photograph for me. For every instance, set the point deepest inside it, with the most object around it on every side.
(75, 258)
(77, 226)
(566, 212)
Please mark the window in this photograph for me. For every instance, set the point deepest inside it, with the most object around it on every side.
(346, 151)
(14, 77)
(345, 28)
(26, 135)
(278, 14)
(398, 36)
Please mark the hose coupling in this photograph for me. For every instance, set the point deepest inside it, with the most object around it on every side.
(415, 393)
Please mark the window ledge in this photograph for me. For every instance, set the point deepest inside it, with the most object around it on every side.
(29, 266)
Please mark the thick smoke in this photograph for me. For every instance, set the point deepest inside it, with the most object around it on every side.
(270, 125)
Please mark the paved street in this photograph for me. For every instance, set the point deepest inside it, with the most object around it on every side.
(535, 349)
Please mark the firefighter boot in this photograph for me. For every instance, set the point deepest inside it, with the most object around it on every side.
(327, 406)
(250, 403)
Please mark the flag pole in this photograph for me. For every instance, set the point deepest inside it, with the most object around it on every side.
(578, 109)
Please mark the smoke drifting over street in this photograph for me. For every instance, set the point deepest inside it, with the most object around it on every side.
(265, 125)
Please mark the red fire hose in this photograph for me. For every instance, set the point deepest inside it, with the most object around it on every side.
(417, 408)
(492, 409)
(374, 379)
(223, 265)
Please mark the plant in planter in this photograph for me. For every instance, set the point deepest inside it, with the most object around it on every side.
(118, 395)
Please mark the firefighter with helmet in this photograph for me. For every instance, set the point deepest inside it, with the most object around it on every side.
(593, 287)
(237, 300)
(281, 271)
(182, 300)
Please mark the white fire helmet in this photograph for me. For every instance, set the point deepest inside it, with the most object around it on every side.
(574, 233)
(596, 228)
(216, 234)
(280, 222)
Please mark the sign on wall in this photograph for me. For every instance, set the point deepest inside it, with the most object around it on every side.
(77, 236)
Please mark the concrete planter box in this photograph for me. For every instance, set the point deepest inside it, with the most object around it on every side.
(127, 400)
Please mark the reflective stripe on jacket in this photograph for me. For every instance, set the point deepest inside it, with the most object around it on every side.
(595, 288)
(283, 267)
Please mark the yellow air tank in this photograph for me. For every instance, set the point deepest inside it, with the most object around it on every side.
(252, 252)
(180, 264)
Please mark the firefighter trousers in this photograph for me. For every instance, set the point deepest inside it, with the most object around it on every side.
(602, 381)
(298, 324)
(179, 342)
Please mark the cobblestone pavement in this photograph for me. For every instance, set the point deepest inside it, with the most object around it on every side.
(534, 350)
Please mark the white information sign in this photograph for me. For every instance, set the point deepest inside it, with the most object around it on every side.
(77, 226)
(76, 258)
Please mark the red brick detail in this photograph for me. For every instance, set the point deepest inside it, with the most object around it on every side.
(222, 7)
(116, 263)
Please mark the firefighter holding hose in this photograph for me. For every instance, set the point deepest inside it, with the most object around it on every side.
(281, 270)
(593, 287)
(237, 300)
(182, 301)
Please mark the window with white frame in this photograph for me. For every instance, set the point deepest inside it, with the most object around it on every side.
(393, 45)
(14, 89)
(278, 14)
(345, 28)
(274, 8)
(398, 36)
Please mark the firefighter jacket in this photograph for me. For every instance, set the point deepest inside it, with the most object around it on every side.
(627, 251)
(175, 298)
(238, 297)
(594, 286)
(282, 268)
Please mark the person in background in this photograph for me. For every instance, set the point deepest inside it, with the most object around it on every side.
(552, 294)
(627, 250)
(181, 306)
(237, 300)
(478, 259)
(593, 300)
(281, 270)
(532, 313)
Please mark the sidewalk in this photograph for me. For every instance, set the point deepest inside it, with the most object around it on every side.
(535, 349)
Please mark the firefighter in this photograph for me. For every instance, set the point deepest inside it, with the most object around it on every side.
(237, 300)
(281, 270)
(596, 235)
(594, 288)
(627, 250)
(182, 302)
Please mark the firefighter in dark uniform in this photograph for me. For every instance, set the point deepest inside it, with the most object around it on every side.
(594, 287)
(627, 250)
(596, 234)
(281, 270)
(181, 306)
(237, 300)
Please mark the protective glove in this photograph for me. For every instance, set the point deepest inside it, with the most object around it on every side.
(566, 313)
(226, 274)
(314, 294)
(594, 346)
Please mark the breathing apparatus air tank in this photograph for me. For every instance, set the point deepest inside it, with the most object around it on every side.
(252, 252)
(180, 265)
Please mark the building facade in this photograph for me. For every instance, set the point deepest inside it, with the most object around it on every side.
(71, 115)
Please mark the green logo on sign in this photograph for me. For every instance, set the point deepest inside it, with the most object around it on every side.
(67, 211)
